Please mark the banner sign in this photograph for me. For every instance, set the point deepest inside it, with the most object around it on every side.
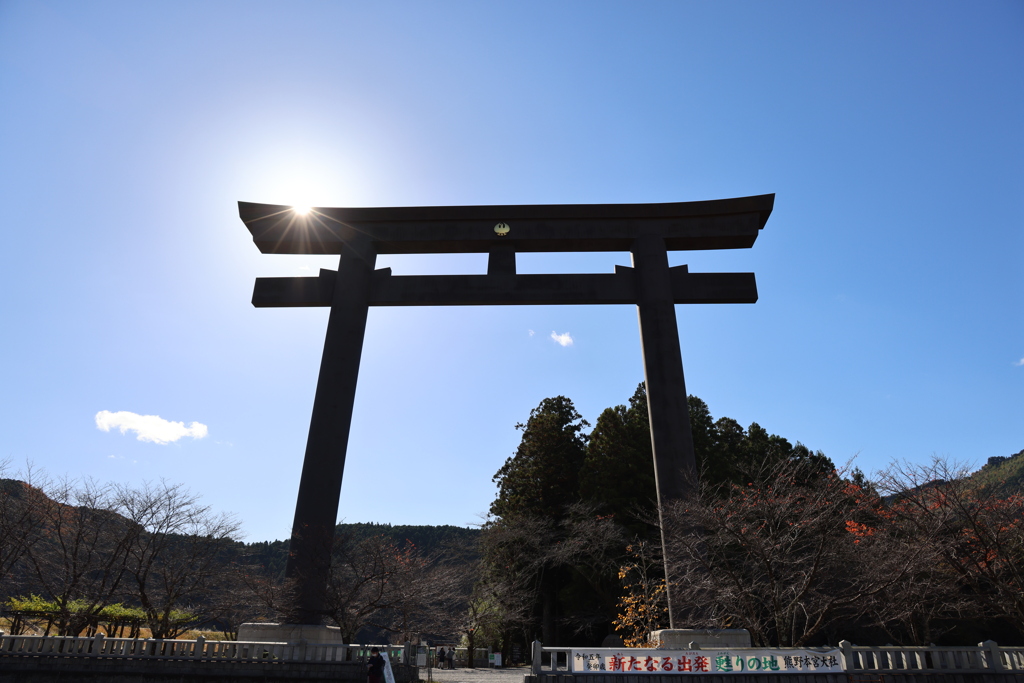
(724, 661)
(389, 675)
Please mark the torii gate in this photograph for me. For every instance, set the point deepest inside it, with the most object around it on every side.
(648, 231)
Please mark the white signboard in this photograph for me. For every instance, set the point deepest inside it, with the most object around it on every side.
(724, 661)
(389, 675)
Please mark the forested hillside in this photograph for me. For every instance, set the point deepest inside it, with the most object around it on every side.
(777, 540)
(453, 543)
(575, 505)
(1005, 474)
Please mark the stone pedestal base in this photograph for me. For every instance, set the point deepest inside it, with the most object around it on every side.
(288, 633)
(703, 638)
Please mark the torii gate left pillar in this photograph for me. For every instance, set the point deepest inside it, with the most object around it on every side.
(648, 231)
(316, 507)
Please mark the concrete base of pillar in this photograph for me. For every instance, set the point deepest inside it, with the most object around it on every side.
(256, 632)
(703, 638)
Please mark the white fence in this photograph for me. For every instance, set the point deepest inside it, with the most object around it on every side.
(199, 649)
(987, 657)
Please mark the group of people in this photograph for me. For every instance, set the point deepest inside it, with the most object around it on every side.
(448, 657)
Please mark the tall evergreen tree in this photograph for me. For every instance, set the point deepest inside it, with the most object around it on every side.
(618, 473)
(536, 488)
(543, 475)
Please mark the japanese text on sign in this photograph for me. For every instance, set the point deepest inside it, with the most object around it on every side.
(706, 661)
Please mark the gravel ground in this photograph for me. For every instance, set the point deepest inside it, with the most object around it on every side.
(476, 675)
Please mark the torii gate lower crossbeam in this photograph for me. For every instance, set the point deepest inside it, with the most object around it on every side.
(648, 231)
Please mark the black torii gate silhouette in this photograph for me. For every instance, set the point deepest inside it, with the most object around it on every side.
(648, 231)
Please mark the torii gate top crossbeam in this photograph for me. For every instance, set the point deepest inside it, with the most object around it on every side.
(717, 224)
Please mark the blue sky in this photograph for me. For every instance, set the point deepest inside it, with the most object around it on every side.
(890, 322)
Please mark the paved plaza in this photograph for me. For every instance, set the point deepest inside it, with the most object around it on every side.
(511, 675)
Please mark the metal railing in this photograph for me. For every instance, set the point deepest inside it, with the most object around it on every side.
(200, 649)
(987, 657)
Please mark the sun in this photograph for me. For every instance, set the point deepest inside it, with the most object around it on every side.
(301, 210)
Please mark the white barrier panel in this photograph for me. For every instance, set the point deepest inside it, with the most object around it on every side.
(199, 649)
(725, 661)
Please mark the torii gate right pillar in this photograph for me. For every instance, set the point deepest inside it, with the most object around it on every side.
(675, 467)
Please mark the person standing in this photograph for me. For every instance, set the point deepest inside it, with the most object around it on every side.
(440, 658)
(375, 667)
(451, 657)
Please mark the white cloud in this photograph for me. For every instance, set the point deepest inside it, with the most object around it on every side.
(1019, 363)
(531, 332)
(565, 339)
(152, 428)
